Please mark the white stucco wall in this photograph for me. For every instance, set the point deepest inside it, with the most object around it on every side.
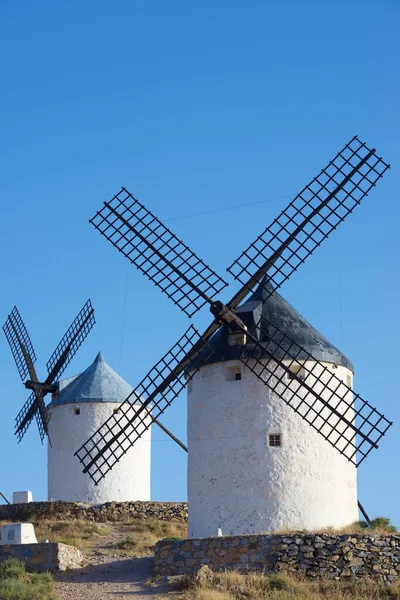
(238, 483)
(128, 480)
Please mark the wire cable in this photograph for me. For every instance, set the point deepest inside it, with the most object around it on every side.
(208, 212)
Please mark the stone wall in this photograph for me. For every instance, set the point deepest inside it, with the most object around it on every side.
(43, 557)
(309, 554)
(110, 511)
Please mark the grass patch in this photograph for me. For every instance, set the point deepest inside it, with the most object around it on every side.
(79, 533)
(142, 534)
(17, 584)
(128, 544)
(231, 585)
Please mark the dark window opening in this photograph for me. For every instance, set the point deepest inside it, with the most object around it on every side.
(233, 374)
(274, 440)
(77, 411)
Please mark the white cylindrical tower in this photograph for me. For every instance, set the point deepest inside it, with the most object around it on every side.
(80, 407)
(254, 464)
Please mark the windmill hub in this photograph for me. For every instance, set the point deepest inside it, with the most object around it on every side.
(235, 326)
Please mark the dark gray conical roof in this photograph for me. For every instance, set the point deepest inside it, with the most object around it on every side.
(99, 383)
(281, 314)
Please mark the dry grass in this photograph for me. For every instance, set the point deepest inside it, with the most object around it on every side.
(137, 536)
(79, 533)
(142, 534)
(233, 585)
(212, 595)
(380, 526)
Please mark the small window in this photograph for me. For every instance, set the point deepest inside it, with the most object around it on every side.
(233, 374)
(296, 370)
(115, 411)
(274, 440)
(77, 411)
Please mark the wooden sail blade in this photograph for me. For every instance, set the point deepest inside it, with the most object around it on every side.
(157, 252)
(309, 219)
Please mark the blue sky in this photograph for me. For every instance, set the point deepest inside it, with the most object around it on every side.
(194, 107)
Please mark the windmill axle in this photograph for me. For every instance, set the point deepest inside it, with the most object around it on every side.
(223, 314)
(44, 388)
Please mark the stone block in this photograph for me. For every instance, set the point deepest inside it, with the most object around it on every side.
(43, 557)
(22, 497)
(18, 533)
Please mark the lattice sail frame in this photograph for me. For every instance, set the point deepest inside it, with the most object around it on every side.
(325, 202)
(17, 334)
(27, 413)
(347, 421)
(157, 252)
(118, 434)
(71, 341)
(43, 431)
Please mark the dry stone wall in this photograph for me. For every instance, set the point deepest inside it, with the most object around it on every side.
(43, 557)
(110, 511)
(309, 554)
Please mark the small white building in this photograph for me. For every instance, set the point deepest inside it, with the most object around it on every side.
(254, 464)
(81, 405)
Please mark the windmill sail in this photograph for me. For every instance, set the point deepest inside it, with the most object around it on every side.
(20, 343)
(25, 416)
(315, 392)
(157, 252)
(70, 342)
(309, 219)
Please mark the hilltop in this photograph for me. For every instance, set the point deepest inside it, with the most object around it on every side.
(117, 541)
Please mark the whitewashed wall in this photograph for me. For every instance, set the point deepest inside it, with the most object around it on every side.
(238, 483)
(128, 480)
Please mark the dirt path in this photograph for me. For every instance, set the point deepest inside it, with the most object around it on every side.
(112, 576)
(117, 580)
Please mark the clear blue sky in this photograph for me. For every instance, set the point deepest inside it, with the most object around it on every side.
(194, 107)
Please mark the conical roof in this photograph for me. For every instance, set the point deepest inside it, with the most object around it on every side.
(281, 314)
(99, 383)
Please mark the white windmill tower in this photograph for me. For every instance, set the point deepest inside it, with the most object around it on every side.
(283, 468)
(275, 430)
(79, 405)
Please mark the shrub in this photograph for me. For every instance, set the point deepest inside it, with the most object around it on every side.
(379, 524)
(129, 543)
(17, 584)
(383, 523)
